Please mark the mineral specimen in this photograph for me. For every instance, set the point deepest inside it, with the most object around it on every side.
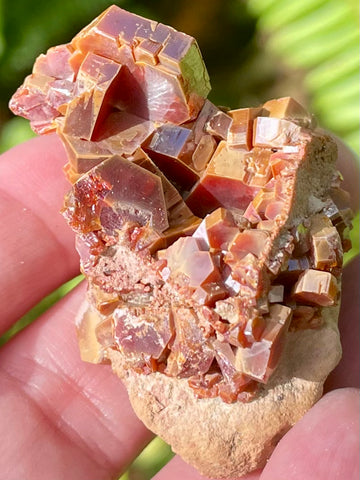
(208, 237)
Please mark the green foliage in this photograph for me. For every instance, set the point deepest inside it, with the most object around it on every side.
(321, 37)
(15, 131)
(29, 28)
(150, 461)
(354, 237)
(1, 29)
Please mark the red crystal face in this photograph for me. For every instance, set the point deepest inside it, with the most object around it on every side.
(205, 235)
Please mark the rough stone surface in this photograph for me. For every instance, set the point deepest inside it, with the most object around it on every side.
(228, 441)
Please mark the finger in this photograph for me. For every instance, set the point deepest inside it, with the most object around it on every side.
(37, 251)
(348, 164)
(59, 414)
(346, 374)
(321, 446)
(177, 469)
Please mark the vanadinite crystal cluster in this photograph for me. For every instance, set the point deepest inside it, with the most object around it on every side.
(205, 234)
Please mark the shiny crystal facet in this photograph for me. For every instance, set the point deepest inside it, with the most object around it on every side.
(288, 108)
(137, 333)
(275, 132)
(241, 129)
(316, 287)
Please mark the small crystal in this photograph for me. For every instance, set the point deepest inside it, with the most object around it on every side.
(275, 132)
(241, 130)
(316, 287)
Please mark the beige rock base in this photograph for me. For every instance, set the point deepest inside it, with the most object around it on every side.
(228, 441)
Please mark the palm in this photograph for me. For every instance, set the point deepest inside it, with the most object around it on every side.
(73, 419)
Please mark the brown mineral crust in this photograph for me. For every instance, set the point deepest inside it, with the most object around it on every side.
(211, 240)
(302, 189)
(119, 269)
(305, 316)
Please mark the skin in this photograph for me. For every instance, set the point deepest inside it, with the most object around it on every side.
(73, 419)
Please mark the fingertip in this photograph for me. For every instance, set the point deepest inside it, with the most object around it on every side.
(348, 165)
(323, 445)
(346, 374)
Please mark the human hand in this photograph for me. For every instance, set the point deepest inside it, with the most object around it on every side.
(66, 419)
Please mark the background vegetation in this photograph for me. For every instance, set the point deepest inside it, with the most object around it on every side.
(254, 50)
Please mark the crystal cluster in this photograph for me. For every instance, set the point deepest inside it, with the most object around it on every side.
(205, 234)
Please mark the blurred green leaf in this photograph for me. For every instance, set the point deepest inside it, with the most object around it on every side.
(30, 28)
(283, 12)
(269, 11)
(342, 64)
(344, 89)
(2, 40)
(354, 236)
(15, 131)
(315, 47)
(150, 461)
(320, 37)
(345, 119)
(352, 139)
